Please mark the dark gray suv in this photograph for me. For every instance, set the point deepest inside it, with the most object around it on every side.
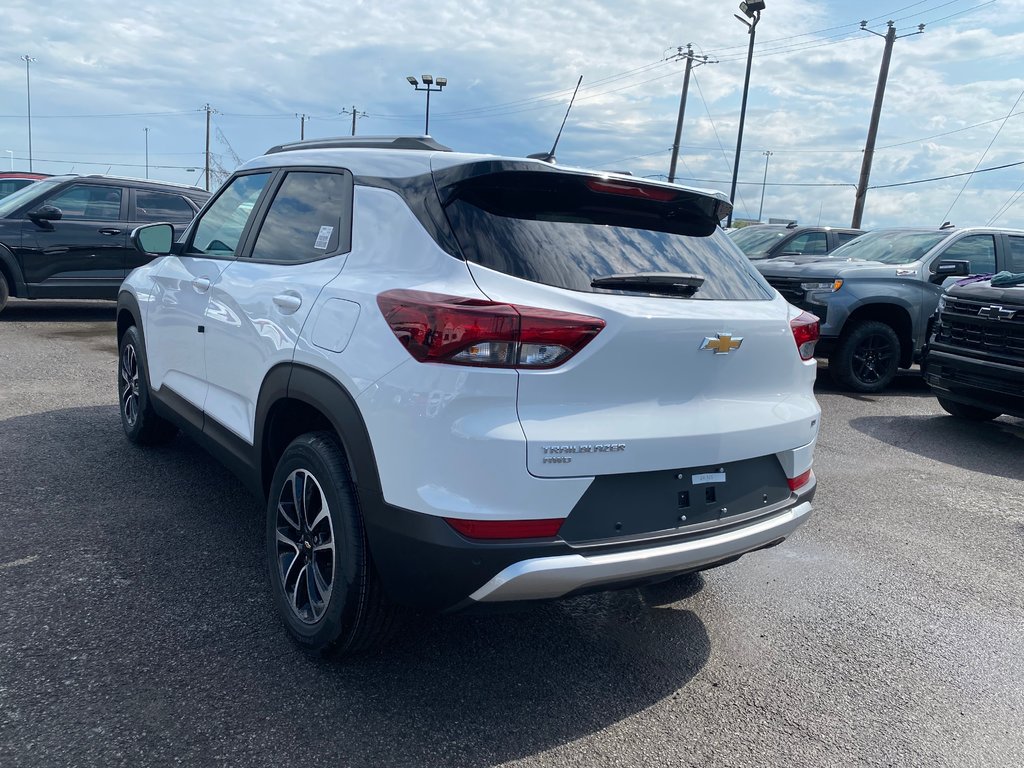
(769, 241)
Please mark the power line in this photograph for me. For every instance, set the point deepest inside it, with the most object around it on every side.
(948, 176)
(983, 154)
(725, 157)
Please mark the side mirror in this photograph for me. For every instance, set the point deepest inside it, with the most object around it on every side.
(951, 268)
(153, 239)
(46, 213)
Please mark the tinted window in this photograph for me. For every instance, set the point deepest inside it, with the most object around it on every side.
(809, 244)
(845, 237)
(7, 186)
(757, 241)
(161, 206)
(221, 227)
(88, 202)
(890, 247)
(32, 192)
(549, 229)
(308, 219)
(1016, 254)
(980, 250)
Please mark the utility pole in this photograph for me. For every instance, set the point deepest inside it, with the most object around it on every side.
(28, 92)
(147, 151)
(302, 126)
(355, 113)
(764, 182)
(682, 104)
(209, 111)
(753, 12)
(876, 112)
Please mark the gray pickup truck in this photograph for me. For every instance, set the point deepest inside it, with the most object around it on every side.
(876, 295)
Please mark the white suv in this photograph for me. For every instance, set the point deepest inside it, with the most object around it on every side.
(461, 379)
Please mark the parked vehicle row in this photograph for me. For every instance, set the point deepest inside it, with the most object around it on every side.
(66, 237)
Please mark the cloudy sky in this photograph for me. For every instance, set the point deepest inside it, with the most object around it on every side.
(103, 74)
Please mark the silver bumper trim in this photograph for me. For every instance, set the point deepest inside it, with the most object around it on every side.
(550, 577)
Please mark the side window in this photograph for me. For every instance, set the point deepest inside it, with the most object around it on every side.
(809, 243)
(309, 218)
(221, 227)
(1016, 254)
(845, 237)
(980, 250)
(161, 206)
(88, 202)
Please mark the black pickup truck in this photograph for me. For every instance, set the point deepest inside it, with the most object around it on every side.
(975, 358)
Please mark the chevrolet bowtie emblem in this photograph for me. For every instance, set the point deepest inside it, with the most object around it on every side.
(997, 313)
(722, 344)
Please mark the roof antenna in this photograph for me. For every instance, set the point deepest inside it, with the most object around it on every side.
(549, 157)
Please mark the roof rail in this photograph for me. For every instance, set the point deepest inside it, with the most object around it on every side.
(364, 142)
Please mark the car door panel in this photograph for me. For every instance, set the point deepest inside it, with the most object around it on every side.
(260, 304)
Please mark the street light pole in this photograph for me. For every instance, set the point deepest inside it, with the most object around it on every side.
(28, 92)
(753, 12)
(428, 86)
(11, 153)
(147, 151)
(764, 182)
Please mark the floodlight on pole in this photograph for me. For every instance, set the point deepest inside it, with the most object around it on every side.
(753, 12)
(429, 85)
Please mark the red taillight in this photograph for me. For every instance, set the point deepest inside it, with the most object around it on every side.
(632, 189)
(800, 480)
(506, 529)
(806, 331)
(437, 328)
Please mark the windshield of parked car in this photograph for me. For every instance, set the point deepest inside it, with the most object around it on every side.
(15, 200)
(892, 247)
(756, 241)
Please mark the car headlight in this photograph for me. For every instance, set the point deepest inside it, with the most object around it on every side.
(832, 285)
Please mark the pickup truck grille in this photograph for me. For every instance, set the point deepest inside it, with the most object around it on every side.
(982, 335)
(791, 291)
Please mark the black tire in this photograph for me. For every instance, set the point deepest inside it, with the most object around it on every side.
(5, 291)
(867, 357)
(138, 419)
(352, 613)
(964, 411)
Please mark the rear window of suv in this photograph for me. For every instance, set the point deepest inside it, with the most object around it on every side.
(552, 228)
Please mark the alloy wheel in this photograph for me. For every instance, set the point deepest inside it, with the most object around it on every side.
(129, 381)
(305, 546)
(872, 358)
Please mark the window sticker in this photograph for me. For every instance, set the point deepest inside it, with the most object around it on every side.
(323, 238)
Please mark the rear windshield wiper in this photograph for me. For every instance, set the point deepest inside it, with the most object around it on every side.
(676, 283)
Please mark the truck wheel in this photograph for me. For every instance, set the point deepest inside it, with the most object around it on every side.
(5, 291)
(964, 411)
(140, 422)
(867, 357)
(324, 583)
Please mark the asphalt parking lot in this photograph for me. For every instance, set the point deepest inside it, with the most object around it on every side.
(136, 627)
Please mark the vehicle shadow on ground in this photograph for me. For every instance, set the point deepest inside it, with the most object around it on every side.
(148, 610)
(994, 448)
(44, 311)
(906, 384)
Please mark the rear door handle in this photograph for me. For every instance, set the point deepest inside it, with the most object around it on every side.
(288, 302)
(201, 284)
(110, 231)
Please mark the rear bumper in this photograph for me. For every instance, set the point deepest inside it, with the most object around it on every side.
(424, 563)
(551, 577)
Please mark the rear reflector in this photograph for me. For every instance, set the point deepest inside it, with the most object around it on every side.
(437, 328)
(806, 331)
(506, 529)
(800, 480)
